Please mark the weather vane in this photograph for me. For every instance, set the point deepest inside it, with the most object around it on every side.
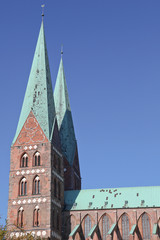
(43, 9)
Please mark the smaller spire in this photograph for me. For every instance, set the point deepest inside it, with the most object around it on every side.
(61, 50)
(43, 5)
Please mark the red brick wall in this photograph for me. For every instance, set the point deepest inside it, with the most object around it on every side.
(30, 140)
(115, 215)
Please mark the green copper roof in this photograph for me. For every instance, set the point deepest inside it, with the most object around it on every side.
(112, 198)
(39, 93)
(64, 116)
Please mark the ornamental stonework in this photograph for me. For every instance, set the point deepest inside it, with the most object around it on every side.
(31, 133)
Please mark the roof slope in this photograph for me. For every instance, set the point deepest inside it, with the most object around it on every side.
(64, 116)
(111, 198)
(39, 93)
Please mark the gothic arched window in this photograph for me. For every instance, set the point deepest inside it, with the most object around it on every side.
(36, 185)
(146, 227)
(24, 160)
(59, 190)
(58, 221)
(105, 226)
(125, 227)
(55, 161)
(37, 159)
(87, 226)
(20, 217)
(36, 217)
(59, 165)
(55, 188)
(23, 187)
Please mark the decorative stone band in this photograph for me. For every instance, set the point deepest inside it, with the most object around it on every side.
(54, 234)
(19, 234)
(57, 175)
(30, 147)
(33, 171)
(56, 203)
(34, 200)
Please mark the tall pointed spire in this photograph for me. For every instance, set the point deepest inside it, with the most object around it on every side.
(64, 116)
(39, 94)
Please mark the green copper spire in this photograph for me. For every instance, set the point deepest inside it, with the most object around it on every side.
(64, 116)
(39, 93)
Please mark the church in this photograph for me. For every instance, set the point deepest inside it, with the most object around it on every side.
(45, 195)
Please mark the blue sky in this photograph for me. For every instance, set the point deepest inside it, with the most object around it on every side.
(112, 67)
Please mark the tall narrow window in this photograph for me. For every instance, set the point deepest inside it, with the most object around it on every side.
(36, 185)
(57, 221)
(146, 227)
(23, 187)
(20, 217)
(125, 227)
(105, 226)
(59, 165)
(24, 161)
(36, 217)
(59, 190)
(87, 226)
(55, 161)
(53, 218)
(55, 188)
(37, 159)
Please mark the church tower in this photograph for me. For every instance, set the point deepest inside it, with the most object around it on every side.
(36, 181)
(69, 148)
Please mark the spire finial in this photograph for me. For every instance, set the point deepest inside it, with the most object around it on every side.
(61, 50)
(43, 5)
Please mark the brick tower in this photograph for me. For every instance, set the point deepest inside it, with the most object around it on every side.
(37, 164)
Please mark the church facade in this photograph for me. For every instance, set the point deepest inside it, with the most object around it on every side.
(45, 196)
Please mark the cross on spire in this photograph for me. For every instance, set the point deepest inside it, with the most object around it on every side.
(43, 5)
(61, 50)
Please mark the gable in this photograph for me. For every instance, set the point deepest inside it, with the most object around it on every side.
(31, 132)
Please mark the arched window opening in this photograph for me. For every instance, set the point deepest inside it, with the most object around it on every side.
(23, 187)
(20, 218)
(58, 221)
(55, 188)
(36, 185)
(55, 161)
(146, 227)
(37, 159)
(53, 218)
(24, 161)
(59, 190)
(105, 226)
(87, 226)
(125, 227)
(36, 217)
(59, 165)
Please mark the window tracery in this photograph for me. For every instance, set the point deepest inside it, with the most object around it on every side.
(36, 185)
(87, 225)
(146, 227)
(105, 226)
(20, 217)
(23, 187)
(24, 160)
(37, 159)
(125, 227)
(36, 217)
